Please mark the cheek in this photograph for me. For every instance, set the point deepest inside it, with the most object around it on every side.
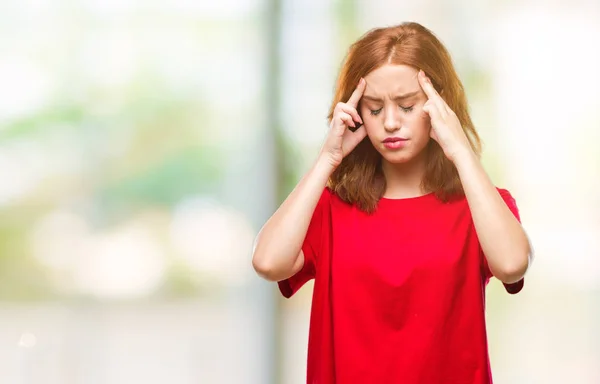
(419, 122)
(370, 126)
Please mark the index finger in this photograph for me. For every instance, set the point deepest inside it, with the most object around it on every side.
(426, 85)
(431, 93)
(357, 94)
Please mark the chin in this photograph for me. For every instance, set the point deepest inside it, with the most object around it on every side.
(398, 158)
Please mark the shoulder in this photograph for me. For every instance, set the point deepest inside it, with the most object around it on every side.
(506, 195)
(326, 196)
(325, 200)
(330, 201)
(510, 202)
(330, 197)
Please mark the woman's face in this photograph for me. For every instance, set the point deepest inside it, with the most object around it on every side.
(391, 109)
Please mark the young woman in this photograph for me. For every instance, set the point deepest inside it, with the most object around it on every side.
(398, 223)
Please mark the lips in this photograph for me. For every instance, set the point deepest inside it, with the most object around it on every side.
(394, 143)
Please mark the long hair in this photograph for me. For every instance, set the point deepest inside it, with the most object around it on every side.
(359, 178)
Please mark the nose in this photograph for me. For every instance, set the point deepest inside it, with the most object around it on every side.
(392, 122)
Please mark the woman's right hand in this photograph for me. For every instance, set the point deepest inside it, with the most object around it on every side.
(341, 140)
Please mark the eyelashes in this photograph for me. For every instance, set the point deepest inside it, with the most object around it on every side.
(375, 112)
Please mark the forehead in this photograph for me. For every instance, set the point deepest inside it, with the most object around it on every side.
(391, 78)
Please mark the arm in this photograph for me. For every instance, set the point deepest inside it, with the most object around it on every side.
(277, 252)
(502, 238)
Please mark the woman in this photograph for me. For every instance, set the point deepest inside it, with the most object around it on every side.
(398, 223)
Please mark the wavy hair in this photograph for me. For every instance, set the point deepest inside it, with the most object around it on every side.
(359, 178)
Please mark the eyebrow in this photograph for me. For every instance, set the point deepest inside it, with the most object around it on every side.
(395, 98)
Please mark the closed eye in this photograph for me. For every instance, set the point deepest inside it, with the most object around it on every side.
(375, 112)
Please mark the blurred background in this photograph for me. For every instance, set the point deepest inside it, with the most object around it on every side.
(144, 143)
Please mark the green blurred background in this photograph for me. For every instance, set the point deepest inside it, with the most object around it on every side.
(143, 145)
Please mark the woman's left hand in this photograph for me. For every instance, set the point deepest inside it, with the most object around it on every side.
(446, 129)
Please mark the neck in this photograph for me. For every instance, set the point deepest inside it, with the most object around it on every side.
(404, 180)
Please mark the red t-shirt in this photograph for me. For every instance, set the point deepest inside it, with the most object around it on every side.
(399, 295)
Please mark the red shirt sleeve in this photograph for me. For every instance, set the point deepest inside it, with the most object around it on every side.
(311, 248)
(512, 205)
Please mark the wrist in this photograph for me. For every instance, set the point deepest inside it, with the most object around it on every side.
(324, 166)
(464, 157)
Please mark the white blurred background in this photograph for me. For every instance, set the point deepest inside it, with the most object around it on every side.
(144, 143)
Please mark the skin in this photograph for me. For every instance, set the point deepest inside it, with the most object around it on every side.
(424, 116)
(419, 118)
(392, 106)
